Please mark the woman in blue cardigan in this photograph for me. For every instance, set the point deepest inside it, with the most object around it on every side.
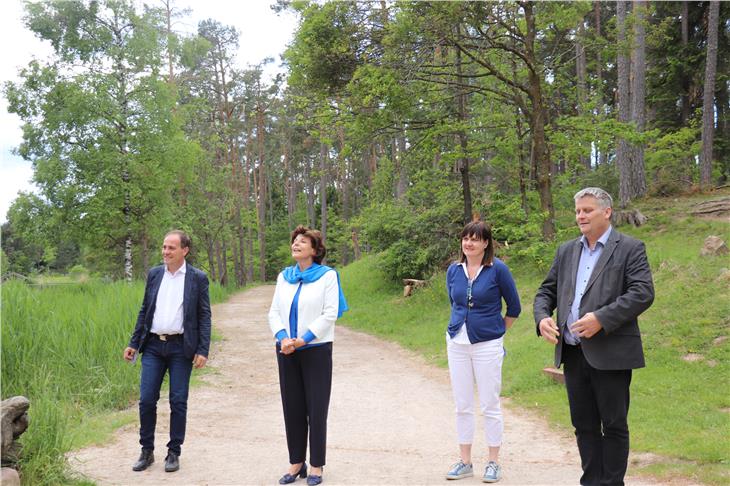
(477, 285)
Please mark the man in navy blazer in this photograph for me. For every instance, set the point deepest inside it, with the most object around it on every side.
(173, 335)
(599, 284)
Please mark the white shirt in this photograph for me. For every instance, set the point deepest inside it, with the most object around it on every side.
(462, 337)
(168, 318)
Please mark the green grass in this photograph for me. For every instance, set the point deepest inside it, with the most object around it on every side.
(679, 409)
(62, 348)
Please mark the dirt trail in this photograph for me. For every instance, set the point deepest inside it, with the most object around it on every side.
(391, 419)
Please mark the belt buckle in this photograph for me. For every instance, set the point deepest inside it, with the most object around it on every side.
(163, 337)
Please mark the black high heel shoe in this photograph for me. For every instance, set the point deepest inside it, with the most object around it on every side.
(290, 478)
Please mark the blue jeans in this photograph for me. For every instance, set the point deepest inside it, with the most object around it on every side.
(158, 358)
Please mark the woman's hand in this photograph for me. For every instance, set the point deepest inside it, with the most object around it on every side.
(287, 346)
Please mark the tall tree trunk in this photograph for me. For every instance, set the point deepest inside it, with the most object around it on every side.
(345, 191)
(211, 258)
(145, 250)
(261, 199)
(708, 101)
(290, 184)
(581, 69)
(685, 75)
(601, 154)
(399, 152)
(461, 136)
(309, 185)
(638, 98)
(248, 173)
(722, 104)
(538, 118)
(323, 149)
(623, 162)
(224, 263)
(219, 259)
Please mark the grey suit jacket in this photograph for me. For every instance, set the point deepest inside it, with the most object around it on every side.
(620, 288)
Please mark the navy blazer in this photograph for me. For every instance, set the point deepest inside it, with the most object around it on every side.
(196, 312)
(620, 288)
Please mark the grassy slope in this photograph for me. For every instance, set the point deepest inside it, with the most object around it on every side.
(679, 409)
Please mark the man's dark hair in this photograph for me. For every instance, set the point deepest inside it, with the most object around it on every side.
(185, 241)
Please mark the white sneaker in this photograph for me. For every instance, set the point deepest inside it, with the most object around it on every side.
(492, 473)
(460, 470)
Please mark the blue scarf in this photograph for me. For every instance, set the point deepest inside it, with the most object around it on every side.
(312, 274)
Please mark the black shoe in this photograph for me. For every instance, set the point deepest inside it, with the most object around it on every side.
(313, 480)
(172, 462)
(145, 460)
(290, 478)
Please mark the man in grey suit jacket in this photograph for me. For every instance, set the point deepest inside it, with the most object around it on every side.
(599, 283)
(173, 335)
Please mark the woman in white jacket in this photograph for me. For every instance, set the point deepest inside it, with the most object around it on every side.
(307, 301)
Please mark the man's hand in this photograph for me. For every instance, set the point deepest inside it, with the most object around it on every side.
(549, 330)
(129, 353)
(199, 361)
(587, 326)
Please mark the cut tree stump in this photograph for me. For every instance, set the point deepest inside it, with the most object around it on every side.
(411, 283)
(633, 217)
(554, 373)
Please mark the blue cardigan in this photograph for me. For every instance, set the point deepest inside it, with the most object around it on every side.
(484, 320)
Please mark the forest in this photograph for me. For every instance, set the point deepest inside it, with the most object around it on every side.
(395, 123)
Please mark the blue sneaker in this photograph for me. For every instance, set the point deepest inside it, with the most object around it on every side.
(460, 470)
(492, 473)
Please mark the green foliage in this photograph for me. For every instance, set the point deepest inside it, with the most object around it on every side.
(418, 233)
(669, 164)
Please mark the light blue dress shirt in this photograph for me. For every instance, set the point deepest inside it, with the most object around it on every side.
(588, 260)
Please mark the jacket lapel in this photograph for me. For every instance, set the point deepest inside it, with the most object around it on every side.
(611, 244)
(574, 261)
(187, 289)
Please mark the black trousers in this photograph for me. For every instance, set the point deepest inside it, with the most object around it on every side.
(599, 406)
(305, 379)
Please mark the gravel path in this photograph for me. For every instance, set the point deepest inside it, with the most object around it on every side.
(391, 419)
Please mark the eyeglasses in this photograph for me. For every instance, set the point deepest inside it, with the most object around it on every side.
(470, 303)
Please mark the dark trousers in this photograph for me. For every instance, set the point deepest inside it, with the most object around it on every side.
(305, 379)
(157, 359)
(599, 406)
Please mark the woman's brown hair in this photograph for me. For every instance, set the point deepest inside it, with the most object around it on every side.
(483, 232)
(315, 237)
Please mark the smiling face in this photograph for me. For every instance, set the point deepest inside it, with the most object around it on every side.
(173, 254)
(593, 219)
(302, 250)
(473, 247)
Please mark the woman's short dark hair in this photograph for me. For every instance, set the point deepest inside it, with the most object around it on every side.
(483, 232)
(315, 237)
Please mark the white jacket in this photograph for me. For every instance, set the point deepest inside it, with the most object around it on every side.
(317, 311)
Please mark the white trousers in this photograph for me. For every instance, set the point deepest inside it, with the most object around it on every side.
(481, 362)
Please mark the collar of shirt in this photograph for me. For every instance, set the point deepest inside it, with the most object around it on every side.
(466, 272)
(602, 240)
(179, 271)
